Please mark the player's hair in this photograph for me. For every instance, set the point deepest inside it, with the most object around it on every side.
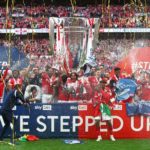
(33, 88)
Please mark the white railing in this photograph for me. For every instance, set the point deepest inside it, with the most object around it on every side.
(23, 31)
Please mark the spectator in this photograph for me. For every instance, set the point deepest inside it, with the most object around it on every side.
(75, 87)
(117, 74)
(47, 89)
(32, 94)
(2, 83)
(14, 79)
(61, 89)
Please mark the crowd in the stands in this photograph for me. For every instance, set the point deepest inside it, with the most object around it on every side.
(55, 83)
(127, 16)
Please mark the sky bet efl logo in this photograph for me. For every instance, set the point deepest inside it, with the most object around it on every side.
(43, 107)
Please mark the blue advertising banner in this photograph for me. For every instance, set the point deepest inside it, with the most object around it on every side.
(140, 108)
(71, 120)
(46, 121)
(132, 109)
(145, 108)
(18, 59)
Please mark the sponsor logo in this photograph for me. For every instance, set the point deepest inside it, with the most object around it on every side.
(38, 107)
(82, 107)
(47, 107)
(117, 107)
(73, 108)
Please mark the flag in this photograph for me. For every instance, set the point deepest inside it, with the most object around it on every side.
(106, 113)
(125, 88)
(21, 31)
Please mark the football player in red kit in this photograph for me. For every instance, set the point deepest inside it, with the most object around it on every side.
(102, 101)
(94, 80)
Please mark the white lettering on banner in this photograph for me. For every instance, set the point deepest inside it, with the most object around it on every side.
(46, 30)
(133, 124)
(82, 107)
(37, 107)
(23, 124)
(75, 123)
(52, 118)
(63, 123)
(39, 118)
(73, 107)
(42, 123)
(89, 124)
(121, 123)
(103, 129)
(148, 124)
(117, 107)
(125, 30)
(140, 65)
(47, 107)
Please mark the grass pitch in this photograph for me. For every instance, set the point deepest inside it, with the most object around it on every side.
(58, 144)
